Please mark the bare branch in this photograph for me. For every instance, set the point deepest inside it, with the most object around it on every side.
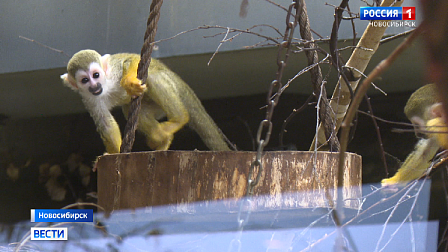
(396, 36)
(379, 69)
(219, 46)
(45, 46)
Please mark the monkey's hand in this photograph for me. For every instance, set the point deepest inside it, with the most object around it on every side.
(129, 81)
(132, 85)
(415, 164)
(438, 130)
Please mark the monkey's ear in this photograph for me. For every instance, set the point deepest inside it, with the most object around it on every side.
(105, 63)
(436, 110)
(69, 82)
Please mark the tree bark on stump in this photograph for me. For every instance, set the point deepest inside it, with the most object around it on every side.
(140, 179)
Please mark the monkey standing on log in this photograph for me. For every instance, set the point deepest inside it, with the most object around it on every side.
(107, 81)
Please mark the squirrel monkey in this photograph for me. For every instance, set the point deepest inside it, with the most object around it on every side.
(107, 81)
(424, 110)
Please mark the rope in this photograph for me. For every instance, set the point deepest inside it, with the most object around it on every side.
(316, 79)
(142, 74)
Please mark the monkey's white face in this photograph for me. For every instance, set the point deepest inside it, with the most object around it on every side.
(91, 81)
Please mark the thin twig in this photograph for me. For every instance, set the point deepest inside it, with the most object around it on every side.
(403, 198)
(354, 47)
(219, 46)
(304, 70)
(399, 35)
(378, 133)
(357, 217)
(387, 121)
(45, 46)
(248, 29)
(206, 27)
(285, 9)
(276, 4)
(343, 10)
(292, 115)
(373, 84)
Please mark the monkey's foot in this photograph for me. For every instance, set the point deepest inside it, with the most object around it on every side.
(161, 141)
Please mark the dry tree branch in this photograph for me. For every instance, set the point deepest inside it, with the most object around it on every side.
(360, 216)
(258, 45)
(278, 5)
(285, 9)
(359, 60)
(379, 69)
(352, 18)
(220, 44)
(297, 111)
(309, 68)
(373, 84)
(396, 36)
(206, 27)
(378, 133)
(405, 197)
(228, 30)
(343, 10)
(248, 29)
(292, 115)
(368, 4)
(225, 39)
(387, 121)
(45, 46)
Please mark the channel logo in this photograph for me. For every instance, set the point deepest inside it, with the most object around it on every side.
(387, 13)
(49, 234)
(61, 215)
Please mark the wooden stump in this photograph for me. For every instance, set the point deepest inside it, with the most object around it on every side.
(142, 179)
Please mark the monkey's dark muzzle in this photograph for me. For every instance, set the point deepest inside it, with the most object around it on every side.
(97, 90)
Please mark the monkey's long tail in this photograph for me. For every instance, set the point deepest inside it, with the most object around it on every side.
(209, 132)
(206, 128)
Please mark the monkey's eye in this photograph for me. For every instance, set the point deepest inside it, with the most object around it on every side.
(96, 75)
(85, 80)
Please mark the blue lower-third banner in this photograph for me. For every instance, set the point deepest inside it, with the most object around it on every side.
(61, 215)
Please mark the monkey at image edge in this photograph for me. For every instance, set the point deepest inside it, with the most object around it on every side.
(108, 81)
(424, 110)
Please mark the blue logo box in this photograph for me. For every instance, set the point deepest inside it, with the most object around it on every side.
(61, 215)
(49, 234)
(381, 13)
